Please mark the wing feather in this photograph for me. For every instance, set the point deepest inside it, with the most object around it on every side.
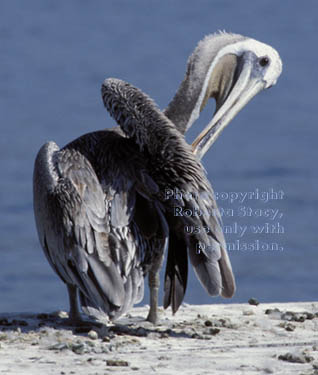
(88, 228)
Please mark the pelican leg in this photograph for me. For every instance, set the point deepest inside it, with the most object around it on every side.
(154, 283)
(75, 317)
(74, 314)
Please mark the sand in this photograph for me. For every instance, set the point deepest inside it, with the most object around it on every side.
(278, 338)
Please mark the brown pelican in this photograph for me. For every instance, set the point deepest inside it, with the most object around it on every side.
(101, 214)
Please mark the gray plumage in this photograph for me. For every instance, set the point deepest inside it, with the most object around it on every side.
(99, 202)
(87, 205)
(172, 165)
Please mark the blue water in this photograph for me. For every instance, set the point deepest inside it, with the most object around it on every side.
(54, 56)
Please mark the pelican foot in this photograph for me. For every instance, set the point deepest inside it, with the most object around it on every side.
(79, 323)
(152, 316)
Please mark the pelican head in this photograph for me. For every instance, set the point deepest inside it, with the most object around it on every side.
(230, 68)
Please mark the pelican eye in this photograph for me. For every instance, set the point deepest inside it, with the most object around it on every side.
(263, 61)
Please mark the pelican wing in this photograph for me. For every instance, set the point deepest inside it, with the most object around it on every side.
(173, 165)
(73, 225)
(97, 232)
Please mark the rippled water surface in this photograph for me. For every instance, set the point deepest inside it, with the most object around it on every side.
(54, 56)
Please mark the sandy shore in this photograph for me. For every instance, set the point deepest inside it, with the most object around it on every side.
(208, 339)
